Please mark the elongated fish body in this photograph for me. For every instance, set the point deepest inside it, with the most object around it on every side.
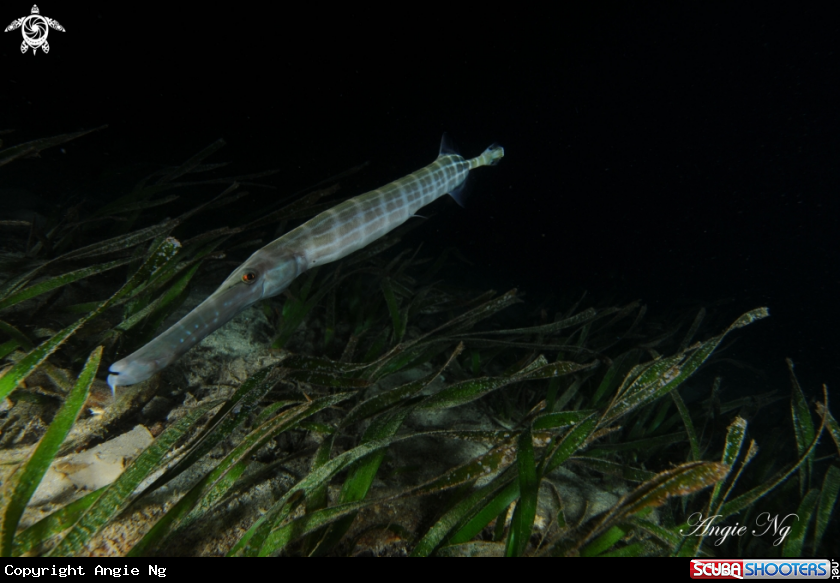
(327, 237)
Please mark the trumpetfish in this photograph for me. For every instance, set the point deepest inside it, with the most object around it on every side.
(329, 236)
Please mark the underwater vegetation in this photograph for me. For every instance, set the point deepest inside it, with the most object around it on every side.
(385, 411)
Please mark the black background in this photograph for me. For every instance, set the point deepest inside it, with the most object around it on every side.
(663, 152)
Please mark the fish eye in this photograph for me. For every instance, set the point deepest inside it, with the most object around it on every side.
(249, 277)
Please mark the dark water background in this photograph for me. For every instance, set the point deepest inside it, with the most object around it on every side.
(681, 155)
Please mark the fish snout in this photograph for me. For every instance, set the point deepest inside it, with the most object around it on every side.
(130, 371)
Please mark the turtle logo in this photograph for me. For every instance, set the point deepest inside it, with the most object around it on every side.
(35, 29)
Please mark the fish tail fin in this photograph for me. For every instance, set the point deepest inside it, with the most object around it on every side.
(490, 157)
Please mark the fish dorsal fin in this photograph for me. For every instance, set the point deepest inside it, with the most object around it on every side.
(447, 147)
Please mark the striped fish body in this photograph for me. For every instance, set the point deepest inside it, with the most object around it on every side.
(359, 221)
(331, 235)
